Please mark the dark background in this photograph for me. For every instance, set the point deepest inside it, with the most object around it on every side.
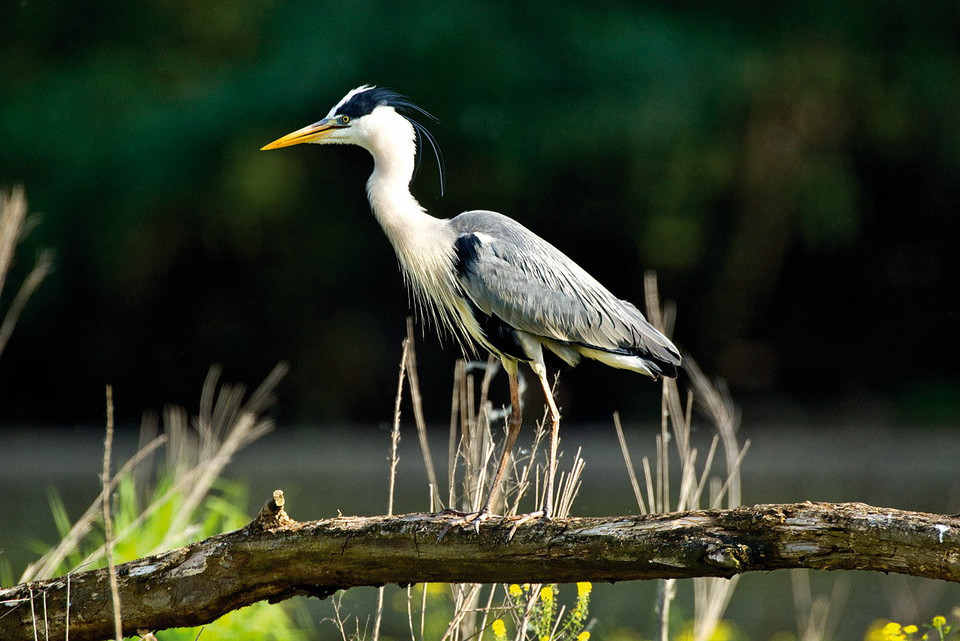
(790, 170)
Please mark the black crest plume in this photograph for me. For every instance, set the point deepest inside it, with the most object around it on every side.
(364, 102)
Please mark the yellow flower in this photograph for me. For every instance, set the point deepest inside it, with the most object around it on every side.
(909, 629)
(546, 593)
(515, 590)
(892, 631)
(723, 631)
(939, 621)
(583, 588)
(583, 636)
(499, 629)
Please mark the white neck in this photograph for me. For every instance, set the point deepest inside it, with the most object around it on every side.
(424, 244)
(390, 139)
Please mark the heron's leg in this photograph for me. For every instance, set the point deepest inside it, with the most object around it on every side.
(513, 430)
(554, 416)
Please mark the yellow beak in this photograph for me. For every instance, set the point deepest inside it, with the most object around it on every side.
(310, 133)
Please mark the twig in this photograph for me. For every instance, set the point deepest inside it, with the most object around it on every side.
(108, 521)
(631, 471)
(47, 565)
(413, 382)
(39, 272)
(413, 634)
(33, 615)
(339, 621)
(394, 460)
(66, 619)
(13, 215)
(817, 617)
(395, 431)
(452, 441)
(226, 424)
(13, 211)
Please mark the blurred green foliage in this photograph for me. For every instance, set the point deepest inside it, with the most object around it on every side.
(792, 172)
(143, 518)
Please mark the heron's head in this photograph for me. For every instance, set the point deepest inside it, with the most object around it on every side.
(370, 117)
(363, 114)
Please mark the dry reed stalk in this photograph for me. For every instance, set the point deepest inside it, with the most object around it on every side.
(13, 212)
(338, 620)
(711, 596)
(14, 226)
(394, 461)
(200, 457)
(191, 470)
(631, 470)
(66, 623)
(817, 616)
(413, 384)
(46, 565)
(108, 520)
(470, 451)
(225, 425)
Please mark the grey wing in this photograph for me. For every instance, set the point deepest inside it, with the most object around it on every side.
(512, 274)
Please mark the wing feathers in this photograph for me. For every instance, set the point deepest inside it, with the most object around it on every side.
(513, 275)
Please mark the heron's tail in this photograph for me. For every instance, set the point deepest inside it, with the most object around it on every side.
(635, 359)
(663, 368)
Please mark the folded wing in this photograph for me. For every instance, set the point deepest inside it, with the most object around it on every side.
(516, 281)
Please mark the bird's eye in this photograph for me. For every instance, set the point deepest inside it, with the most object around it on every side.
(345, 119)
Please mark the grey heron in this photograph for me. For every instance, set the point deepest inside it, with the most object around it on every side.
(485, 277)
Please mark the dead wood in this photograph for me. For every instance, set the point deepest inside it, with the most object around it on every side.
(275, 558)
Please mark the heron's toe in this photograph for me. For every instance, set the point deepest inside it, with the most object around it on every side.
(523, 519)
(464, 520)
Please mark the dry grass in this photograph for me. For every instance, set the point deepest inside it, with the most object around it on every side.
(108, 519)
(817, 615)
(14, 227)
(700, 484)
(197, 451)
(471, 461)
(472, 449)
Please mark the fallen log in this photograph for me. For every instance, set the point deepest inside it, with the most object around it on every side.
(275, 558)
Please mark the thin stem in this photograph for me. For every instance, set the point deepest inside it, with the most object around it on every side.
(413, 383)
(108, 521)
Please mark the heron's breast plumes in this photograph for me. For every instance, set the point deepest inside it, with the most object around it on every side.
(427, 260)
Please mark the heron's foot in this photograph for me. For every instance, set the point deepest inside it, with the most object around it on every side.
(464, 520)
(542, 515)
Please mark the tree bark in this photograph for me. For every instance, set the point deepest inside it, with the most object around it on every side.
(275, 558)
